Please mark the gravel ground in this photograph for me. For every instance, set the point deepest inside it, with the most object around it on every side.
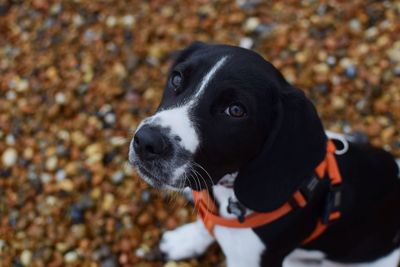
(76, 77)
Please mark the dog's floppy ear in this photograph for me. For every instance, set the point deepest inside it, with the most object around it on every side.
(293, 148)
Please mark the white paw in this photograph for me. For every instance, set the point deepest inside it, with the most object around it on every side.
(187, 241)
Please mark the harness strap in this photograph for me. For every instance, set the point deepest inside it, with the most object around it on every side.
(208, 211)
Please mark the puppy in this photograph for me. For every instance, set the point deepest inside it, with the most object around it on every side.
(231, 124)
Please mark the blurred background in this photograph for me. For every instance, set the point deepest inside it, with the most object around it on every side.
(76, 78)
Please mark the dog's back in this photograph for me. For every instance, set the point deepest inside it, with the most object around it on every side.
(370, 223)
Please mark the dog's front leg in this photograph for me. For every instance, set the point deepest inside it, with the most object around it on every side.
(187, 241)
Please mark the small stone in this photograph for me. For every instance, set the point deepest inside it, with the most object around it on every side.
(117, 177)
(10, 157)
(109, 262)
(51, 200)
(21, 85)
(321, 68)
(355, 25)
(108, 202)
(45, 178)
(171, 264)
(60, 98)
(111, 21)
(60, 175)
(141, 252)
(66, 185)
(76, 214)
(28, 153)
(51, 163)
(55, 9)
(110, 118)
(351, 71)
(71, 257)
(26, 257)
(128, 21)
(11, 95)
(338, 102)
(10, 140)
(246, 42)
(388, 133)
(371, 33)
(78, 230)
(251, 24)
(62, 247)
(146, 196)
(118, 141)
(331, 60)
(346, 62)
(94, 153)
(2, 245)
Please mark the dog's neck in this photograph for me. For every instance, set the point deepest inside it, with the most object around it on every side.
(225, 196)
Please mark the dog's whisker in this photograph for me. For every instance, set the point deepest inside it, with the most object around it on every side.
(203, 179)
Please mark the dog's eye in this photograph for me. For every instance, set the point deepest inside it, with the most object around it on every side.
(176, 80)
(235, 110)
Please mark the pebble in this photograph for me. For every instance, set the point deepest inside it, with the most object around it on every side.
(60, 98)
(66, 185)
(51, 163)
(338, 102)
(60, 175)
(71, 257)
(118, 177)
(171, 264)
(251, 24)
(108, 201)
(128, 21)
(76, 214)
(26, 257)
(146, 196)
(2, 245)
(246, 42)
(10, 139)
(109, 262)
(45, 178)
(351, 71)
(9, 157)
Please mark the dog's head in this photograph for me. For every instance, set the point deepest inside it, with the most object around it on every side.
(224, 110)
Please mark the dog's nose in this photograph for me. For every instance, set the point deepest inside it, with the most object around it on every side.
(149, 143)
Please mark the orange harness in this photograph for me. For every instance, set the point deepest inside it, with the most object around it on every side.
(208, 211)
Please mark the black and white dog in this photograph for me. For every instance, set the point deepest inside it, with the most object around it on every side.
(229, 122)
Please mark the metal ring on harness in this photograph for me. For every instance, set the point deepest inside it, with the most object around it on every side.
(341, 138)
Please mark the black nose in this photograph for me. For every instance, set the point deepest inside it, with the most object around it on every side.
(149, 143)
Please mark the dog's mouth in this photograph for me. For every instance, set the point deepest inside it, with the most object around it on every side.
(171, 177)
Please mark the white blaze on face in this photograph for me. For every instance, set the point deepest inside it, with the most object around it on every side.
(178, 119)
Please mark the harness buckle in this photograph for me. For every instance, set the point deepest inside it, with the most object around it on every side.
(332, 203)
(237, 209)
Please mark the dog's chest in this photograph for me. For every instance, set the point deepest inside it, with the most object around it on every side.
(242, 247)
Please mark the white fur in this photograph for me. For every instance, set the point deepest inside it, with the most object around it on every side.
(304, 258)
(187, 241)
(241, 246)
(180, 124)
(206, 79)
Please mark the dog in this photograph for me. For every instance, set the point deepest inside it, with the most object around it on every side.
(230, 123)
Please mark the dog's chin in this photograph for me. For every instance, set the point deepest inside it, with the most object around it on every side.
(154, 181)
